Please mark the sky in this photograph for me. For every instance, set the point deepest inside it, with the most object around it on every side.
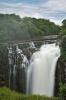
(54, 10)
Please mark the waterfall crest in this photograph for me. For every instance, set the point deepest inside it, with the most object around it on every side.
(41, 71)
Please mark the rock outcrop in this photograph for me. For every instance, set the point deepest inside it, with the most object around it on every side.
(60, 74)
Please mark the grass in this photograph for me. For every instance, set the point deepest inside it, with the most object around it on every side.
(7, 94)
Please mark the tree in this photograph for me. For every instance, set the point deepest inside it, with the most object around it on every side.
(63, 47)
(12, 27)
(64, 23)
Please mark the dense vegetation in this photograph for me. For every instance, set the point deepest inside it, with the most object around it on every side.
(12, 27)
(7, 94)
(62, 91)
(63, 29)
(62, 36)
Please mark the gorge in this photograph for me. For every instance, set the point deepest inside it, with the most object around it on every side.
(28, 63)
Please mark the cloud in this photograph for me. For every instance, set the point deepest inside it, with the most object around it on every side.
(21, 9)
(56, 5)
(55, 10)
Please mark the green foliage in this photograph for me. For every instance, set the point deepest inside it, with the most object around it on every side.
(63, 29)
(62, 91)
(64, 23)
(62, 36)
(62, 33)
(63, 47)
(7, 94)
(12, 27)
(63, 42)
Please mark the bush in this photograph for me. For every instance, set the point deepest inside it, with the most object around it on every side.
(62, 91)
(63, 42)
(63, 47)
(7, 94)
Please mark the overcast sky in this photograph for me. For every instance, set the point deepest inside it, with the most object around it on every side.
(55, 10)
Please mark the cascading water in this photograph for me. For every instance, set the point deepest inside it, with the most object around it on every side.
(17, 66)
(41, 71)
(32, 45)
(10, 62)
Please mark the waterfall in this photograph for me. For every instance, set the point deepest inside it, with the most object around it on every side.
(41, 70)
(17, 66)
(10, 62)
(32, 45)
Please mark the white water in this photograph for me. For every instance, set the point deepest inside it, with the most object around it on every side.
(41, 71)
(19, 51)
(32, 45)
(23, 57)
(10, 62)
(13, 63)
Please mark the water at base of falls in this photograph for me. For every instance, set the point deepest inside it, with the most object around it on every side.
(41, 71)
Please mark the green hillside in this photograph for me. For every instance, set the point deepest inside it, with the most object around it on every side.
(12, 27)
(7, 94)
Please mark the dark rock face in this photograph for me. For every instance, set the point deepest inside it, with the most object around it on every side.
(3, 65)
(13, 66)
(60, 74)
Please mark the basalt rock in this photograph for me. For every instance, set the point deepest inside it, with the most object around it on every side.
(12, 66)
(60, 74)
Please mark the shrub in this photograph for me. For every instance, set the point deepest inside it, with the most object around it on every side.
(63, 42)
(7, 94)
(63, 47)
(62, 91)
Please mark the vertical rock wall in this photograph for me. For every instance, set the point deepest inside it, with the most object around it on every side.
(60, 74)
